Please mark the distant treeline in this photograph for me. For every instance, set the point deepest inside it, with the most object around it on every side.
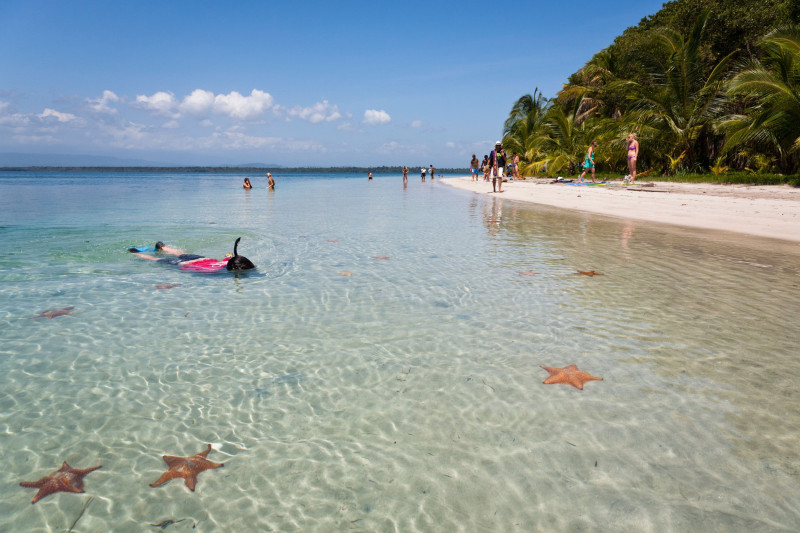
(234, 170)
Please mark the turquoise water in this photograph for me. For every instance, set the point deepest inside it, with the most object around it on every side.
(405, 396)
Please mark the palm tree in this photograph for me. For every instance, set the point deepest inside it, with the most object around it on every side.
(563, 137)
(771, 87)
(680, 103)
(523, 125)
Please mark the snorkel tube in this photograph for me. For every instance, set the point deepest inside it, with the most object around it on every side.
(238, 262)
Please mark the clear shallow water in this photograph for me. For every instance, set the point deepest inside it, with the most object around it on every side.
(406, 396)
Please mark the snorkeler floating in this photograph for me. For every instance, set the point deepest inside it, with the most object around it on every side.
(197, 263)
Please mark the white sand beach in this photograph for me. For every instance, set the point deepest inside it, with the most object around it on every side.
(764, 211)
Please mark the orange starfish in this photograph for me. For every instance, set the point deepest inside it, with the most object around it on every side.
(381, 257)
(589, 273)
(569, 375)
(187, 468)
(65, 479)
(526, 273)
(52, 313)
(167, 285)
(347, 274)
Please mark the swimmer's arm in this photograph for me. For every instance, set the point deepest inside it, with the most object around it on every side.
(144, 256)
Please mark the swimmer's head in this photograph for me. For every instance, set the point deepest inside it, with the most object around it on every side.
(159, 246)
(238, 262)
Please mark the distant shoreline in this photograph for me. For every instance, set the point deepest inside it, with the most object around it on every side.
(225, 170)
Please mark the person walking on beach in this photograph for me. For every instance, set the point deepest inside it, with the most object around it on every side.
(498, 161)
(516, 166)
(405, 175)
(588, 164)
(270, 182)
(633, 154)
(474, 165)
(486, 168)
(422, 171)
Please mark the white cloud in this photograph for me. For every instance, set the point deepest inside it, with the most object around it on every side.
(416, 124)
(199, 102)
(61, 117)
(3, 105)
(161, 103)
(319, 112)
(375, 117)
(235, 105)
(100, 105)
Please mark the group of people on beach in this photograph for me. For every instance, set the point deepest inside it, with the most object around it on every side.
(494, 166)
(633, 154)
(270, 183)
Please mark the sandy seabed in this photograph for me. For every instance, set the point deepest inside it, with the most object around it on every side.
(766, 211)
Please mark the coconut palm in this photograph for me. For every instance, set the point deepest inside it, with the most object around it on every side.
(680, 102)
(523, 125)
(771, 87)
(563, 137)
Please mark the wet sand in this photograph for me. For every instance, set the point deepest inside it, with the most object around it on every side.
(765, 211)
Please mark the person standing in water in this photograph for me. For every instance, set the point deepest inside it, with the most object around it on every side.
(405, 175)
(369, 176)
(633, 155)
(247, 184)
(432, 172)
(422, 171)
(270, 182)
(588, 164)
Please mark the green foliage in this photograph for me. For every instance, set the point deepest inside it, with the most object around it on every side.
(699, 83)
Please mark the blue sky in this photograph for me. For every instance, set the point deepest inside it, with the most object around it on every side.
(293, 83)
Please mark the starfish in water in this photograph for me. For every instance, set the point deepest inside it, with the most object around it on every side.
(381, 257)
(52, 313)
(346, 274)
(167, 285)
(569, 375)
(527, 273)
(65, 479)
(186, 467)
(589, 273)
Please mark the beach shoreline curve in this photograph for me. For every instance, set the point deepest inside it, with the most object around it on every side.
(771, 211)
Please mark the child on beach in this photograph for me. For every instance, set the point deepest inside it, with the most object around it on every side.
(588, 164)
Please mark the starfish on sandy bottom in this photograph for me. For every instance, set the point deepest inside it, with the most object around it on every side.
(381, 257)
(588, 273)
(52, 313)
(65, 479)
(569, 375)
(167, 285)
(346, 274)
(529, 273)
(186, 467)
(333, 240)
